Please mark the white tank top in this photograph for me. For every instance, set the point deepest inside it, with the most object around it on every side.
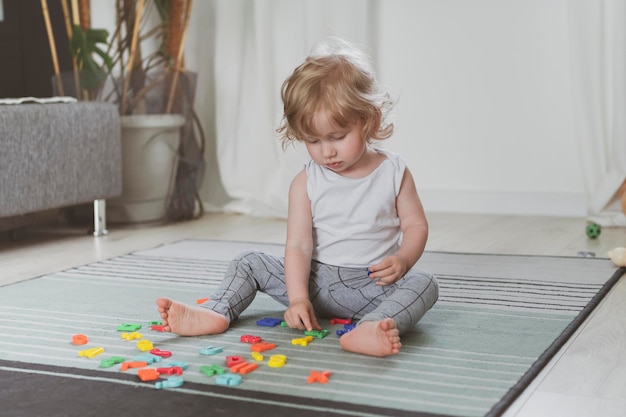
(355, 222)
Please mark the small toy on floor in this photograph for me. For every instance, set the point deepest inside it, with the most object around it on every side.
(161, 353)
(228, 379)
(269, 322)
(113, 360)
(340, 321)
(618, 256)
(593, 230)
(148, 374)
(318, 376)
(170, 370)
(210, 350)
(80, 339)
(90, 353)
(211, 370)
(133, 364)
(346, 329)
(171, 382)
(145, 345)
(128, 327)
(158, 328)
(277, 361)
(302, 341)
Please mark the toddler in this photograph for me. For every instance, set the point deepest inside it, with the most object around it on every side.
(355, 224)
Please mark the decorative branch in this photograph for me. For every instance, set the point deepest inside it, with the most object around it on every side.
(70, 34)
(179, 56)
(133, 47)
(53, 47)
(84, 13)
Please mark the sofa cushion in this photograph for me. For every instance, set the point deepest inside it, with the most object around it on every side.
(57, 155)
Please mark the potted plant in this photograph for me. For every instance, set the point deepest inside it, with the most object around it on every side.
(140, 68)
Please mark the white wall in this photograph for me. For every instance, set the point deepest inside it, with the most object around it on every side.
(484, 115)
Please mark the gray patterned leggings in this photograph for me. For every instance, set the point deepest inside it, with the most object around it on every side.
(334, 291)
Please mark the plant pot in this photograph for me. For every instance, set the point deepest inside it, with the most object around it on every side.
(149, 163)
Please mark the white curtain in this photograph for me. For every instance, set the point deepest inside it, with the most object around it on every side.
(598, 54)
(257, 43)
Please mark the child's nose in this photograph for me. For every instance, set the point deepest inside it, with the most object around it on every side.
(328, 149)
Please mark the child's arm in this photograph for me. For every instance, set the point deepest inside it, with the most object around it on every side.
(414, 228)
(298, 250)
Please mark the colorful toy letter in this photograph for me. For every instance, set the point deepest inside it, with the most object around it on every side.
(262, 346)
(302, 341)
(134, 364)
(212, 370)
(233, 360)
(277, 361)
(211, 350)
(243, 368)
(113, 360)
(131, 336)
(148, 374)
(148, 358)
(171, 382)
(340, 321)
(79, 339)
(228, 379)
(320, 334)
(320, 377)
(144, 345)
(248, 338)
(269, 322)
(128, 327)
(161, 353)
(90, 353)
(172, 370)
(158, 328)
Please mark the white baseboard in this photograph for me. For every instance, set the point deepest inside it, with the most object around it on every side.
(505, 202)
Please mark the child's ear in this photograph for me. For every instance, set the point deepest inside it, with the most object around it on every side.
(378, 118)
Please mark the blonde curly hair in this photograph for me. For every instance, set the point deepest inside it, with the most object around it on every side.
(339, 79)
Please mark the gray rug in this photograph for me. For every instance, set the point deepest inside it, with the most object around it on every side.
(498, 321)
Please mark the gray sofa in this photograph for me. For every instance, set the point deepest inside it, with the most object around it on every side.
(58, 155)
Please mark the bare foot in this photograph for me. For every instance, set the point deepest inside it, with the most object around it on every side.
(373, 338)
(190, 321)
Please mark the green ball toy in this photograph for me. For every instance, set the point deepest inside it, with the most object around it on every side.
(593, 230)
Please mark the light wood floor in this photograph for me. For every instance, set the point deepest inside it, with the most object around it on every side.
(587, 378)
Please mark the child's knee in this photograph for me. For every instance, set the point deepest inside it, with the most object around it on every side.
(249, 258)
(247, 254)
(425, 284)
(433, 290)
(244, 264)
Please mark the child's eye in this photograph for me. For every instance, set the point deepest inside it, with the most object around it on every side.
(312, 141)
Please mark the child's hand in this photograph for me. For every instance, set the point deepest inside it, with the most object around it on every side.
(300, 315)
(389, 270)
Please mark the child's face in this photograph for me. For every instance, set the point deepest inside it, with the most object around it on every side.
(340, 149)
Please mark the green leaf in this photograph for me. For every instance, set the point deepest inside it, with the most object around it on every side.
(83, 47)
